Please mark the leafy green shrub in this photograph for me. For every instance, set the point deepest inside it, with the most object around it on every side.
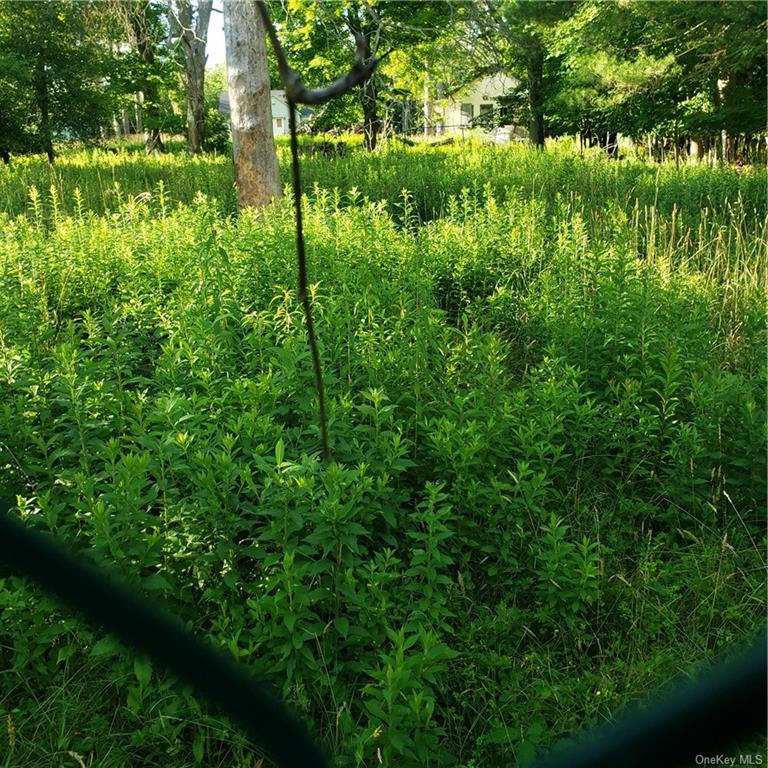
(218, 137)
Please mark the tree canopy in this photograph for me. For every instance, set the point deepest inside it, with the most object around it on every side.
(55, 73)
(674, 72)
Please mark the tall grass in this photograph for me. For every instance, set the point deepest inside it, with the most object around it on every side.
(431, 174)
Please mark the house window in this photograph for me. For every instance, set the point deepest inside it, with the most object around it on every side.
(467, 111)
(279, 122)
(486, 108)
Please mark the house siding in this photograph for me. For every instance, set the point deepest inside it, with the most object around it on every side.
(456, 111)
(279, 111)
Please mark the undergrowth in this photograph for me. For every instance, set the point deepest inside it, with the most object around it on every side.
(547, 420)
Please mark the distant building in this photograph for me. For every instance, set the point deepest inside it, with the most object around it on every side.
(279, 111)
(457, 111)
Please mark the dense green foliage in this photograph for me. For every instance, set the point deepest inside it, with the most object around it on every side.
(675, 69)
(670, 72)
(84, 69)
(52, 75)
(546, 390)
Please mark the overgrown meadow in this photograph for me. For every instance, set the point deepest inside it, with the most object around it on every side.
(546, 384)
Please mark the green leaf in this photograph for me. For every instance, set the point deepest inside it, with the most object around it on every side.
(342, 625)
(142, 668)
(526, 751)
(156, 582)
(134, 698)
(198, 747)
(230, 579)
(107, 646)
(65, 652)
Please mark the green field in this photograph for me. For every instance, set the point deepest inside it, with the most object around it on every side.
(546, 389)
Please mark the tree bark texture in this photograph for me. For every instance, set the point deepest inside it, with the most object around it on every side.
(256, 170)
(194, 37)
(359, 24)
(371, 120)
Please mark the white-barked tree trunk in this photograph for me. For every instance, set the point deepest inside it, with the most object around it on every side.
(191, 25)
(256, 171)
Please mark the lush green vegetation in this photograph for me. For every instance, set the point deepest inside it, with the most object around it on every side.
(431, 174)
(546, 387)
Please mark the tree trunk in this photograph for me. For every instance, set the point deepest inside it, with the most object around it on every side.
(138, 107)
(42, 98)
(371, 120)
(536, 94)
(717, 102)
(41, 85)
(256, 171)
(194, 38)
(749, 154)
(195, 104)
(151, 106)
(677, 145)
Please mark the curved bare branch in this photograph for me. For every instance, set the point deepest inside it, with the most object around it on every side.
(295, 89)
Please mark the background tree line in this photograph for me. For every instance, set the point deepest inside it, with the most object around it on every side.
(675, 77)
(80, 69)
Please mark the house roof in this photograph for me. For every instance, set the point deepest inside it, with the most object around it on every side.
(495, 83)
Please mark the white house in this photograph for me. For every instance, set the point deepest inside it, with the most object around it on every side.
(456, 112)
(279, 111)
